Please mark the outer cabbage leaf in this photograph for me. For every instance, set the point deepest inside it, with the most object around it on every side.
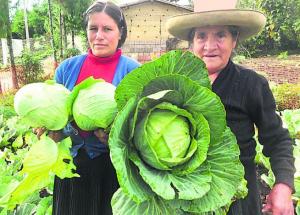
(123, 205)
(64, 166)
(227, 175)
(38, 172)
(42, 155)
(174, 62)
(24, 189)
(127, 173)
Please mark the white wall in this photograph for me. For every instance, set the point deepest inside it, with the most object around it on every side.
(17, 49)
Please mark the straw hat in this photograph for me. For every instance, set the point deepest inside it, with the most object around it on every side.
(217, 12)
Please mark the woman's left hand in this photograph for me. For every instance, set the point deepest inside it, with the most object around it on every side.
(102, 135)
(279, 201)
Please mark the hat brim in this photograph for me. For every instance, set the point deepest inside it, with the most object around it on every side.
(249, 22)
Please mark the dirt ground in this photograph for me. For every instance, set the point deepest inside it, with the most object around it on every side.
(277, 70)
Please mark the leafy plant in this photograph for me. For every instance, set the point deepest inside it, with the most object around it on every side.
(291, 120)
(31, 68)
(71, 52)
(287, 96)
(283, 55)
(170, 145)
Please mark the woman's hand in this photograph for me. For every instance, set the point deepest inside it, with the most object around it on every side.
(102, 135)
(279, 201)
(57, 136)
(39, 131)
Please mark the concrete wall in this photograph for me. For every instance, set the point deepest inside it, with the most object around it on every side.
(147, 20)
(17, 49)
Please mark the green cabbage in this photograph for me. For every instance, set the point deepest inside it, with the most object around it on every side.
(93, 104)
(169, 143)
(43, 105)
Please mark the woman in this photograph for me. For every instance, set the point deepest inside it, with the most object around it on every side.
(213, 31)
(92, 192)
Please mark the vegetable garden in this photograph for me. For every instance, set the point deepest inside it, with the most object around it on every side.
(172, 91)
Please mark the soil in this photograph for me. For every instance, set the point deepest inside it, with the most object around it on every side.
(275, 69)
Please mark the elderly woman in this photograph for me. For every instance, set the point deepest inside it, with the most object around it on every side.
(213, 31)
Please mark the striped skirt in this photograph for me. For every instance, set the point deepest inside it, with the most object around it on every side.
(91, 193)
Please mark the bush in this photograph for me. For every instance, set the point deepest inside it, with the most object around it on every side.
(287, 96)
(71, 52)
(7, 104)
(31, 68)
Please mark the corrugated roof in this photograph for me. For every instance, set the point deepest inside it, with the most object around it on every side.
(122, 5)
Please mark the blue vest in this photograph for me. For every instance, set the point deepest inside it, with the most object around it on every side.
(67, 74)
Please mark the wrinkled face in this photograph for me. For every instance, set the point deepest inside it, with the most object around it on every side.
(103, 34)
(213, 44)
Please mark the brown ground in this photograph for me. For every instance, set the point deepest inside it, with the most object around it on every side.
(277, 70)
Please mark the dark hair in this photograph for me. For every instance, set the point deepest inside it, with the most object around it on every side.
(233, 30)
(111, 10)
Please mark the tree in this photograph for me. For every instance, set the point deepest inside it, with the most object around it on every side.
(26, 25)
(6, 30)
(51, 31)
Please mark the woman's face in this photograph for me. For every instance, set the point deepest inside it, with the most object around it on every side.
(103, 34)
(213, 44)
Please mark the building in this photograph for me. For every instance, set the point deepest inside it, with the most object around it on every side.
(147, 36)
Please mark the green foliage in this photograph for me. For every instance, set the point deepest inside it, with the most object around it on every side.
(15, 139)
(283, 55)
(7, 104)
(71, 52)
(31, 68)
(36, 21)
(287, 96)
(4, 8)
(239, 59)
(291, 120)
(282, 30)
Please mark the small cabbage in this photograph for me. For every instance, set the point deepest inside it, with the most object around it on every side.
(94, 105)
(43, 105)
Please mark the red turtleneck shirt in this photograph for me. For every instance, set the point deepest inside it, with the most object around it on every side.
(99, 67)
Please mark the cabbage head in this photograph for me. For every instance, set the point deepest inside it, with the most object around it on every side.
(93, 104)
(170, 145)
(43, 105)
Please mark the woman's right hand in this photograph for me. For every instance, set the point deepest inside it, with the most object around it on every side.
(57, 136)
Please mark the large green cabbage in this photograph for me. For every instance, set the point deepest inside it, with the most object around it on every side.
(93, 104)
(43, 105)
(170, 145)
